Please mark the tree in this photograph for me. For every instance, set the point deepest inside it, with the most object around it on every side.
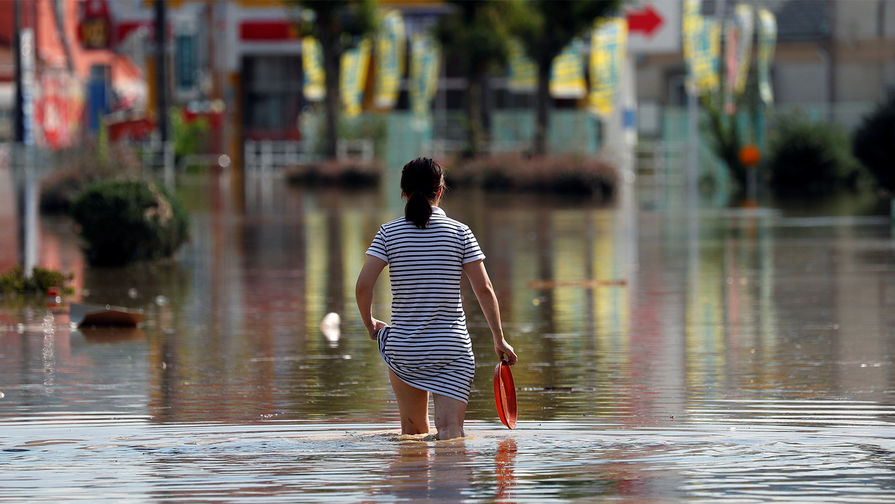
(476, 36)
(874, 143)
(338, 25)
(545, 28)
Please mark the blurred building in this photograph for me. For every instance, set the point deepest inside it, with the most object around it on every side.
(834, 59)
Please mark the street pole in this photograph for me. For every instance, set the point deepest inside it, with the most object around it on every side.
(17, 57)
(161, 28)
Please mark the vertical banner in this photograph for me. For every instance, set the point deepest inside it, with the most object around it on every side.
(691, 28)
(567, 73)
(390, 49)
(744, 18)
(424, 55)
(523, 76)
(708, 53)
(354, 77)
(607, 59)
(767, 39)
(313, 84)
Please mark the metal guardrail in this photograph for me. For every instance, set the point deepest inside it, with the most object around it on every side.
(660, 163)
(270, 156)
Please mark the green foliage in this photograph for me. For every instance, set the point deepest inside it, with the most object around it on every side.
(337, 22)
(189, 137)
(810, 159)
(124, 221)
(724, 138)
(874, 143)
(83, 165)
(14, 281)
(545, 28)
(338, 25)
(476, 36)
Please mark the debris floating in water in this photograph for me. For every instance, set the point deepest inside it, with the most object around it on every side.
(330, 326)
(587, 283)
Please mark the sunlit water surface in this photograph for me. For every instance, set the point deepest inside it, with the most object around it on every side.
(739, 356)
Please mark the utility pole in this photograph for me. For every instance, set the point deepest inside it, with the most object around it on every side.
(18, 119)
(23, 163)
(160, 69)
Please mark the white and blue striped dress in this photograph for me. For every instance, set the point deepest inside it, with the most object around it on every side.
(427, 344)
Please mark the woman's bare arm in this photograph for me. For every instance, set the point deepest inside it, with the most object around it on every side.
(484, 292)
(363, 291)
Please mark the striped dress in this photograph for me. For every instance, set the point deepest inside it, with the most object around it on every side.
(427, 345)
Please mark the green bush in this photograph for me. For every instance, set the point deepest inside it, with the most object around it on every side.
(78, 167)
(124, 221)
(874, 143)
(808, 158)
(14, 281)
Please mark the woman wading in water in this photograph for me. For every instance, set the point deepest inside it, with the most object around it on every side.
(427, 346)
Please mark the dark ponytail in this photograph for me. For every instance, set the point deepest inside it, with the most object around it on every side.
(421, 179)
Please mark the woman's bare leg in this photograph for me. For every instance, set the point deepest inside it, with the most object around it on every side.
(413, 404)
(449, 415)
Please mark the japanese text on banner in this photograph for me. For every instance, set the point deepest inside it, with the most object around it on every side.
(767, 39)
(312, 69)
(607, 53)
(567, 73)
(424, 55)
(390, 49)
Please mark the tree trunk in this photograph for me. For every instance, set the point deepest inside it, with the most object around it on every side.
(543, 107)
(474, 113)
(331, 101)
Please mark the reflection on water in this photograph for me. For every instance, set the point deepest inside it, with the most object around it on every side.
(749, 357)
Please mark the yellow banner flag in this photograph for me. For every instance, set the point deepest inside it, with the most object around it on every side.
(567, 73)
(354, 76)
(744, 18)
(424, 56)
(607, 54)
(312, 68)
(523, 72)
(691, 27)
(390, 49)
(767, 39)
(708, 52)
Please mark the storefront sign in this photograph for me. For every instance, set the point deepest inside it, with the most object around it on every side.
(95, 25)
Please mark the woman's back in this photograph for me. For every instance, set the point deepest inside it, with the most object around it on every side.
(425, 267)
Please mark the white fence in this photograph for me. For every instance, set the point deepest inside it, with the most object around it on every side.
(272, 156)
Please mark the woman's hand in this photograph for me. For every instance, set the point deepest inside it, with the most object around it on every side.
(505, 351)
(375, 327)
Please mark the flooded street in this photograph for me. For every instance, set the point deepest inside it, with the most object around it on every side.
(734, 356)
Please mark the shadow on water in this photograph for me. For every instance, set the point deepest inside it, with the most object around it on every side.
(750, 360)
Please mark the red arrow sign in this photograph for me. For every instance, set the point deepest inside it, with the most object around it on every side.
(646, 20)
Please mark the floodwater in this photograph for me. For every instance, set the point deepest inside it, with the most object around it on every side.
(731, 356)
